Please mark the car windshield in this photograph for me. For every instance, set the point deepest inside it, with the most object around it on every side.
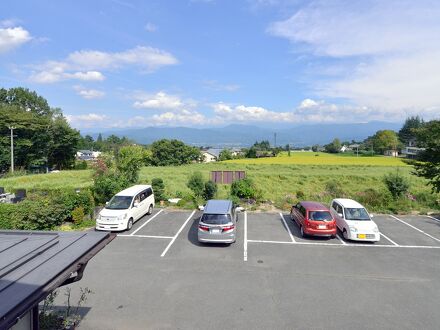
(216, 219)
(119, 203)
(356, 214)
(320, 216)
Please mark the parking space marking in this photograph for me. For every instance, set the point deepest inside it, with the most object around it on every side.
(389, 239)
(145, 236)
(438, 220)
(346, 245)
(177, 234)
(415, 228)
(287, 227)
(340, 239)
(146, 222)
(245, 254)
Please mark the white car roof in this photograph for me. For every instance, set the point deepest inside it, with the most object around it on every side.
(345, 202)
(134, 190)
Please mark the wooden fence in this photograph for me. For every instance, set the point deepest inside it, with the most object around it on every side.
(227, 177)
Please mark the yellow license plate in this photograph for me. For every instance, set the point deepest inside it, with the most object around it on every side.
(362, 236)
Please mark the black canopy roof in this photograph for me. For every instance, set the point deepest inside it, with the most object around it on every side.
(33, 263)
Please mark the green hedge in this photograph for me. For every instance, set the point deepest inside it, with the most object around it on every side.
(44, 210)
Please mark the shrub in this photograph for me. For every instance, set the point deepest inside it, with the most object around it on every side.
(159, 189)
(300, 194)
(378, 200)
(78, 215)
(396, 184)
(196, 184)
(334, 189)
(106, 185)
(244, 188)
(210, 190)
(80, 165)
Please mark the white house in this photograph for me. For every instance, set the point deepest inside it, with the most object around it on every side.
(391, 153)
(208, 157)
(87, 154)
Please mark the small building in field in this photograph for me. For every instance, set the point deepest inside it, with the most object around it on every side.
(391, 153)
(209, 156)
(411, 152)
(87, 154)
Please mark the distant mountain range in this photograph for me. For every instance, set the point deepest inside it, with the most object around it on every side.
(245, 135)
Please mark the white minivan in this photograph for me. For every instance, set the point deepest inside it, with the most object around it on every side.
(125, 208)
(353, 220)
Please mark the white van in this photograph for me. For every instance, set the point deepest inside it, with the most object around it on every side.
(125, 208)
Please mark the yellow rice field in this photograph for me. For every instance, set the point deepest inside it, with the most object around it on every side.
(320, 158)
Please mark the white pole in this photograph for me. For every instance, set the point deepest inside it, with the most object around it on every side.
(12, 148)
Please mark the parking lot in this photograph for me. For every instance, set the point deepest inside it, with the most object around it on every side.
(157, 276)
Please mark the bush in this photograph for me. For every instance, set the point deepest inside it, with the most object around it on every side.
(80, 165)
(300, 194)
(196, 184)
(334, 189)
(244, 188)
(159, 189)
(378, 200)
(396, 184)
(106, 185)
(210, 190)
(78, 215)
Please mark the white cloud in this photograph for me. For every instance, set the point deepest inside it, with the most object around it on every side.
(88, 93)
(88, 120)
(87, 64)
(13, 37)
(158, 101)
(389, 50)
(150, 27)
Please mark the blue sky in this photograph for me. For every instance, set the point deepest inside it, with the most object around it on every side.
(127, 63)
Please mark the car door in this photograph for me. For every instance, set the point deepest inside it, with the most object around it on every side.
(336, 210)
(137, 210)
(294, 214)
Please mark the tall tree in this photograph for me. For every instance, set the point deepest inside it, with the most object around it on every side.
(334, 146)
(407, 132)
(172, 152)
(63, 144)
(428, 137)
(385, 140)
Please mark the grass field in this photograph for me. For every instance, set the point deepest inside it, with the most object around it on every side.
(321, 158)
(280, 179)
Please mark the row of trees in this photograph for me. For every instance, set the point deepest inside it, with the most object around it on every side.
(43, 137)
(384, 139)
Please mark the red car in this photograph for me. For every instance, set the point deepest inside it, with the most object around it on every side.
(313, 219)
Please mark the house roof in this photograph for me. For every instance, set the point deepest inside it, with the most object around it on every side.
(214, 151)
(33, 264)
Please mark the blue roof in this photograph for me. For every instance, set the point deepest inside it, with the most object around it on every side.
(218, 206)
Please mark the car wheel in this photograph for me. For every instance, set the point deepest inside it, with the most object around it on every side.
(150, 209)
(333, 236)
(130, 223)
(345, 234)
(303, 234)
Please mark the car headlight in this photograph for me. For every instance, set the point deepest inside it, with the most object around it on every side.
(122, 217)
(353, 229)
(99, 217)
(376, 230)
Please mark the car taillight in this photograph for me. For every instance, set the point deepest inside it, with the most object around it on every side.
(228, 228)
(204, 228)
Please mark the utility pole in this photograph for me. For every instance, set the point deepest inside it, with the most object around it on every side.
(12, 148)
(275, 138)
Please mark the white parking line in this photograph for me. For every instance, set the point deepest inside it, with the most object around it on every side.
(287, 227)
(177, 234)
(419, 230)
(131, 234)
(245, 253)
(346, 245)
(339, 238)
(145, 236)
(389, 239)
(438, 220)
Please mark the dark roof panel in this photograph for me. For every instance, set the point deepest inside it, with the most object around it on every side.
(32, 264)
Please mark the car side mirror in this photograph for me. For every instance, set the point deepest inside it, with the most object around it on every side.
(106, 203)
(135, 204)
(201, 208)
(340, 214)
(371, 215)
(239, 209)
